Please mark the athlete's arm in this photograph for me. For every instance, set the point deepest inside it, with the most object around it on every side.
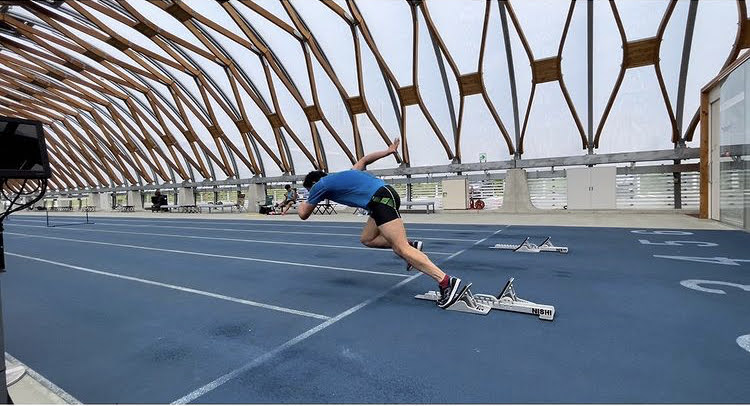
(370, 158)
(305, 209)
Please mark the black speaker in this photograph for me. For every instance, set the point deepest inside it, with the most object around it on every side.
(23, 152)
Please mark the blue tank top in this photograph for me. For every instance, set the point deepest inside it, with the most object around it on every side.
(353, 188)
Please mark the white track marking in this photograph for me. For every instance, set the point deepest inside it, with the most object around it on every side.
(744, 342)
(269, 355)
(198, 237)
(68, 398)
(313, 224)
(205, 254)
(179, 288)
(707, 260)
(661, 232)
(695, 284)
(242, 230)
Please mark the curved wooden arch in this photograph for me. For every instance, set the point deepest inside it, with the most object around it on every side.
(120, 111)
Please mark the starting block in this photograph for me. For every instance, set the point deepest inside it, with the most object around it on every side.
(482, 304)
(527, 246)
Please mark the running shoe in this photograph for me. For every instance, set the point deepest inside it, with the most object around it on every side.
(450, 293)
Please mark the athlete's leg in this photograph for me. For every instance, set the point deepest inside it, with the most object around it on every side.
(287, 207)
(371, 236)
(395, 233)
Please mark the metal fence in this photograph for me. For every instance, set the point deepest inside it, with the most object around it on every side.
(634, 191)
(656, 191)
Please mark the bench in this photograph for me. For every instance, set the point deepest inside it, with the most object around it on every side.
(166, 207)
(213, 206)
(426, 203)
(188, 208)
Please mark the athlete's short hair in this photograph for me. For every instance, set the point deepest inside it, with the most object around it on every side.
(312, 178)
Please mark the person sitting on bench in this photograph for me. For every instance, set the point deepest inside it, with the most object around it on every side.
(290, 197)
(158, 200)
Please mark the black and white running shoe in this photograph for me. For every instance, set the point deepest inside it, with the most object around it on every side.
(451, 293)
(418, 245)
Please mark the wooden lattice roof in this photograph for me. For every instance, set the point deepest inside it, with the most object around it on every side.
(128, 99)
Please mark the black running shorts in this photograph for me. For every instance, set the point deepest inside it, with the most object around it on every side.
(384, 205)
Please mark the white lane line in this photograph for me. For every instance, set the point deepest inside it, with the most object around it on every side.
(179, 288)
(205, 254)
(56, 390)
(198, 237)
(242, 230)
(269, 355)
(298, 224)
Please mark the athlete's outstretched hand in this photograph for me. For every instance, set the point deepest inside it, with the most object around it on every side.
(361, 165)
(394, 147)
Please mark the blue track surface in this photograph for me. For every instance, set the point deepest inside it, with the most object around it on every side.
(106, 320)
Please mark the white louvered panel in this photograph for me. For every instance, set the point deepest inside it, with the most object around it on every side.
(549, 193)
(490, 191)
(656, 191)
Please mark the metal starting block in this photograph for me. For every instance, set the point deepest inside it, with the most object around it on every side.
(527, 246)
(482, 304)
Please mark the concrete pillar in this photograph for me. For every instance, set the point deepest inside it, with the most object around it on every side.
(102, 201)
(135, 199)
(185, 196)
(516, 198)
(256, 196)
(106, 201)
(94, 199)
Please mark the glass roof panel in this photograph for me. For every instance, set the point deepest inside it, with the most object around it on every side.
(460, 27)
(542, 23)
(294, 116)
(574, 64)
(165, 21)
(284, 47)
(421, 138)
(496, 77)
(393, 40)
(276, 8)
(333, 107)
(641, 18)
(377, 94)
(127, 32)
(607, 49)
(335, 38)
(638, 120)
(551, 130)
(431, 86)
(715, 30)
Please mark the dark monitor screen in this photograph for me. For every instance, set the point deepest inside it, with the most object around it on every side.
(23, 153)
